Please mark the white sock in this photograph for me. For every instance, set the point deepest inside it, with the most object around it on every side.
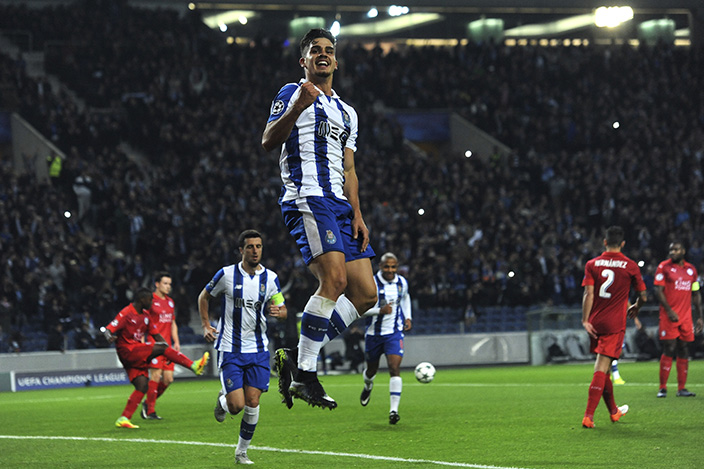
(395, 386)
(314, 324)
(368, 382)
(347, 314)
(614, 370)
(247, 426)
(223, 403)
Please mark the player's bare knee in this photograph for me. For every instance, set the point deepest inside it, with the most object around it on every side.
(233, 408)
(366, 302)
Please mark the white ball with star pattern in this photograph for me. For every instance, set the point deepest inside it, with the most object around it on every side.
(425, 372)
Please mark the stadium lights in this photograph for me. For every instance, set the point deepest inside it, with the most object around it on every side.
(552, 28)
(468, 154)
(396, 10)
(389, 25)
(610, 17)
(229, 17)
(335, 28)
(372, 13)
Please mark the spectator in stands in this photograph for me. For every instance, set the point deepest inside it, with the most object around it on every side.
(57, 339)
(517, 202)
(84, 340)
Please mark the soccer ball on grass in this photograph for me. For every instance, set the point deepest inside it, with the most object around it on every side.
(425, 372)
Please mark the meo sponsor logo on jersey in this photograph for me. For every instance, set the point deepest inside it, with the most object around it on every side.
(242, 303)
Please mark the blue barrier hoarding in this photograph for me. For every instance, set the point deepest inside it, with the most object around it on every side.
(67, 379)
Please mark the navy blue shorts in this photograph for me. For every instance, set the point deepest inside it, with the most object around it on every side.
(238, 369)
(323, 224)
(377, 345)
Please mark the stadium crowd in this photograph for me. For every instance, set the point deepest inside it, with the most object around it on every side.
(195, 107)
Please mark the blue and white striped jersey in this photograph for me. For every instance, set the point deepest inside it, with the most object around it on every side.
(242, 324)
(312, 158)
(396, 293)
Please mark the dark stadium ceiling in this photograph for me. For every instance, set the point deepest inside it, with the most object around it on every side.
(449, 18)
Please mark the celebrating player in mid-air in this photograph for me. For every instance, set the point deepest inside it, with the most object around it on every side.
(317, 134)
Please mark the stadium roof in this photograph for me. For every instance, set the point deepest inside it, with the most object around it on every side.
(427, 19)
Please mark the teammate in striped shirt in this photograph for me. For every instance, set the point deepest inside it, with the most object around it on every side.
(161, 371)
(677, 288)
(607, 283)
(386, 323)
(248, 290)
(317, 135)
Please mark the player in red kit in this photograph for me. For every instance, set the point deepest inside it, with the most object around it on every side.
(128, 330)
(161, 370)
(607, 284)
(677, 288)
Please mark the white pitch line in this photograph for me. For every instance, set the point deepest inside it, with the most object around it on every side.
(258, 448)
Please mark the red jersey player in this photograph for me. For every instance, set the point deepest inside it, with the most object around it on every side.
(127, 330)
(607, 284)
(161, 370)
(676, 288)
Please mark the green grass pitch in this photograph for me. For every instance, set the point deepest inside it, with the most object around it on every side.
(512, 416)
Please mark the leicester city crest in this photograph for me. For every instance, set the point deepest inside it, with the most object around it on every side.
(330, 237)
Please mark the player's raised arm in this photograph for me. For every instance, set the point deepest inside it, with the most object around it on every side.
(277, 131)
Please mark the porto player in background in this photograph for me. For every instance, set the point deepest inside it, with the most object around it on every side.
(127, 330)
(676, 286)
(607, 284)
(161, 370)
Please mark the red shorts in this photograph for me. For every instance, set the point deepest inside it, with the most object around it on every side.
(161, 363)
(609, 345)
(134, 359)
(683, 330)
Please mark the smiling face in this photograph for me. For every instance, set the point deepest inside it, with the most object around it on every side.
(319, 59)
(388, 268)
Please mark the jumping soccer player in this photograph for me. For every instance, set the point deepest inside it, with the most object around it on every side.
(317, 132)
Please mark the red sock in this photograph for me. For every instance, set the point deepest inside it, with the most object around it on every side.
(596, 390)
(177, 357)
(609, 395)
(682, 368)
(665, 366)
(152, 395)
(132, 403)
(160, 390)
